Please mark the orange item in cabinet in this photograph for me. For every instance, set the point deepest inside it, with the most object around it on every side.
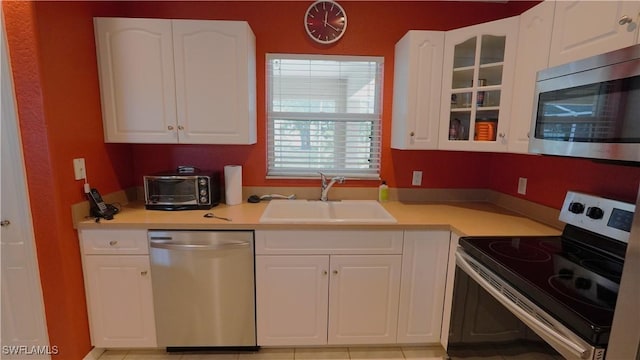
(485, 131)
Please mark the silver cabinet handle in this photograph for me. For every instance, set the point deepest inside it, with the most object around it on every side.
(170, 127)
(113, 242)
(625, 20)
(4, 223)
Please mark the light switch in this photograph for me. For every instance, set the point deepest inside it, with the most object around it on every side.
(79, 169)
(417, 178)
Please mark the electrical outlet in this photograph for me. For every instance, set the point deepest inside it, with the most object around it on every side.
(417, 178)
(522, 186)
(79, 169)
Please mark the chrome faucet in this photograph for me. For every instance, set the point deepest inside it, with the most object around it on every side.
(325, 185)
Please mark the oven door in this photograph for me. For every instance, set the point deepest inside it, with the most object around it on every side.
(490, 318)
(171, 190)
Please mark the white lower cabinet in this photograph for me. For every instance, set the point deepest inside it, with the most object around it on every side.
(292, 293)
(424, 275)
(317, 291)
(363, 299)
(118, 288)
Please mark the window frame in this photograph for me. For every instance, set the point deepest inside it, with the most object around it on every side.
(326, 118)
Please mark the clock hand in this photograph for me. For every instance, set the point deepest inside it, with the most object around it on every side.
(326, 14)
(333, 27)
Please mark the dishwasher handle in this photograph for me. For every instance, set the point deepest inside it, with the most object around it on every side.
(171, 245)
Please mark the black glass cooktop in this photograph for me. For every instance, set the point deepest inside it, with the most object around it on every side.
(577, 284)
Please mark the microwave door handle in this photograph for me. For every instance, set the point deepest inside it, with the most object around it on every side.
(551, 335)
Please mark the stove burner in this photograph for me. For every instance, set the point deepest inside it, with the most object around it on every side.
(515, 250)
(552, 246)
(609, 269)
(567, 288)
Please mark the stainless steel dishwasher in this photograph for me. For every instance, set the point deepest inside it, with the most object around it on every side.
(203, 288)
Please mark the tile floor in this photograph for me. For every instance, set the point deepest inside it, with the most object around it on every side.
(360, 353)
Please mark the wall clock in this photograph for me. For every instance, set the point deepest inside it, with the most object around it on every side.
(325, 21)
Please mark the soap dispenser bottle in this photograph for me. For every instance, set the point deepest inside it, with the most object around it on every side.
(383, 192)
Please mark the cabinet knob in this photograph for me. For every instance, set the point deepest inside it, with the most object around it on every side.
(113, 242)
(170, 127)
(501, 135)
(180, 127)
(143, 273)
(4, 223)
(528, 134)
(412, 134)
(335, 272)
(324, 272)
(625, 20)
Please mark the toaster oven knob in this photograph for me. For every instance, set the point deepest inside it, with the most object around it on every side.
(576, 207)
(203, 199)
(203, 192)
(595, 213)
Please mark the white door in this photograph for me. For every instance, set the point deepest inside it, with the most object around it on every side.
(534, 39)
(363, 299)
(215, 90)
(135, 62)
(119, 293)
(291, 299)
(585, 28)
(417, 86)
(23, 318)
(424, 276)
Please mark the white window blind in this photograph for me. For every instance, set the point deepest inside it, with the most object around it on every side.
(323, 115)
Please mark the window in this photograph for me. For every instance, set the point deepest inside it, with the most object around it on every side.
(323, 115)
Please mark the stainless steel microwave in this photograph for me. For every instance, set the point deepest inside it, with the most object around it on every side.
(182, 189)
(589, 108)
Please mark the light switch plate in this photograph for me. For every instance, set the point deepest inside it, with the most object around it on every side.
(417, 178)
(79, 170)
(522, 186)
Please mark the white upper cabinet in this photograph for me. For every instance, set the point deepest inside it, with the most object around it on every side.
(416, 90)
(177, 81)
(534, 39)
(585, 28)
(135, 61)
(477, 86)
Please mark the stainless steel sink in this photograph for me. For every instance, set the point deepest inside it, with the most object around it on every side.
(321, 212)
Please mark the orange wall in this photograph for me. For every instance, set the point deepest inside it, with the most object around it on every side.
(54, 66)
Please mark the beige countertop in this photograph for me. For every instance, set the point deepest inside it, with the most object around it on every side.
(465, 218)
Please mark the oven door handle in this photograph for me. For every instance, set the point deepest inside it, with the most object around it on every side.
(543, 330)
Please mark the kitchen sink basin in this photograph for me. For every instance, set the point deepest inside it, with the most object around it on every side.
(321, 212)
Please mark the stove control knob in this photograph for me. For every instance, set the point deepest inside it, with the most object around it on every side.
(595, 213)
(576, 208)
(582, 283)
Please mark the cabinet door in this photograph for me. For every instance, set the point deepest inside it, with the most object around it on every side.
(363, 299)
(291, 299)
(534, 39)
(215, 81)
(585, 28)
(416, 90)
(135, 61)
(120, 301)
(477, 83)
(424, 275)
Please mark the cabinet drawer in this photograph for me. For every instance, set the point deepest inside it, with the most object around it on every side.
(329, 242)
(120, 242)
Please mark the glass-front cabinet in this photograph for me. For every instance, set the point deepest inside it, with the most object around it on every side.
(479, 64)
